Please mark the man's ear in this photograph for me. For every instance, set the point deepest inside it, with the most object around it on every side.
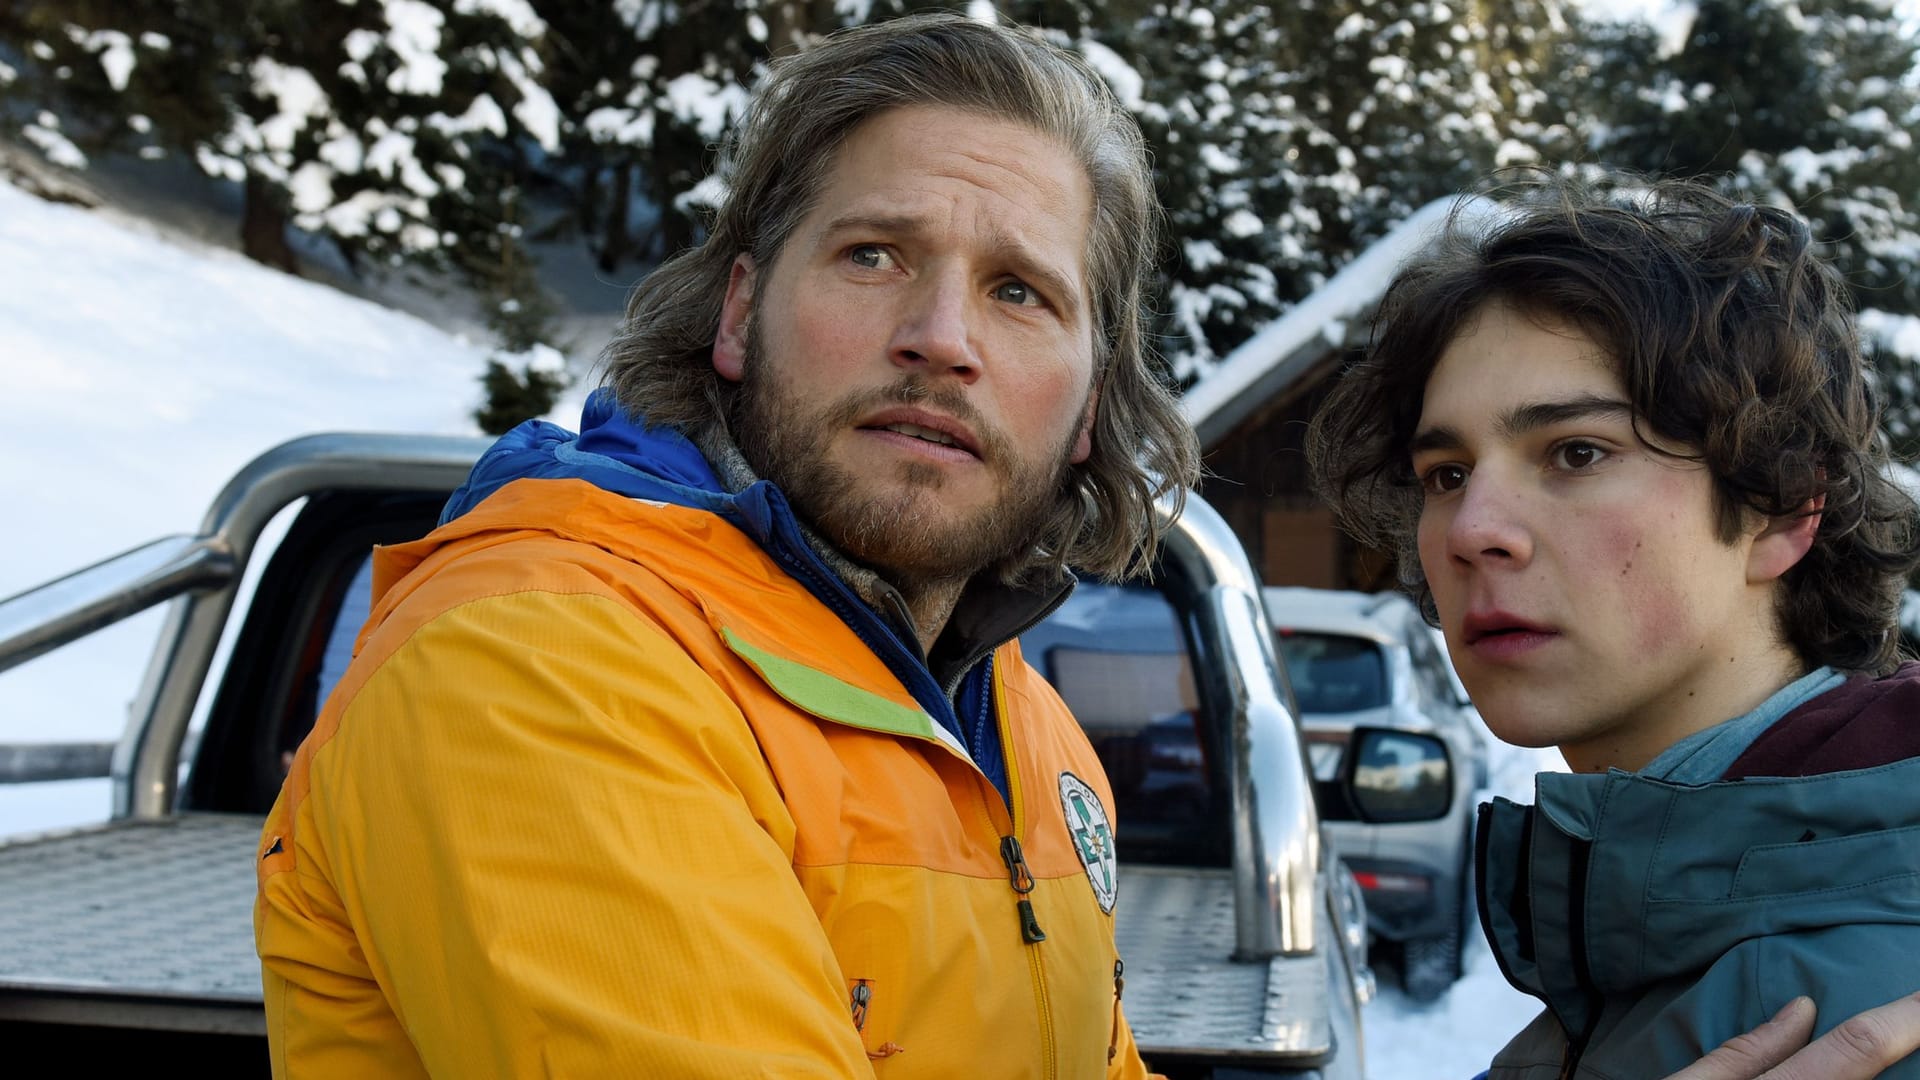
(730, 340)
(1784, 542)
(1083, 442)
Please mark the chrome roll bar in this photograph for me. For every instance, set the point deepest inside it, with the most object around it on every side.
(1276, 830)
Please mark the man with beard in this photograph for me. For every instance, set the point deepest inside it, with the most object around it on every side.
(699, 744)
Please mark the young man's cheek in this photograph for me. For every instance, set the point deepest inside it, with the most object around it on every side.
(1636, 585)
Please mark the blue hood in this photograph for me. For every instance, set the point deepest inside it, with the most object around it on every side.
(613, 452)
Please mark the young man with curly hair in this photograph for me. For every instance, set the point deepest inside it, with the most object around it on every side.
(1625, 445)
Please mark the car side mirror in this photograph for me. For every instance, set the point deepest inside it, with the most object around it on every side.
(1394, 775)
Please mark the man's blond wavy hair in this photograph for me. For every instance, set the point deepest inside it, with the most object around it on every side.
(774, 165)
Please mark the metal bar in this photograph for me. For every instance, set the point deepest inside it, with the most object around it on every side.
(28, 763)
(44, 618)
(146, 765)
(1276, 830)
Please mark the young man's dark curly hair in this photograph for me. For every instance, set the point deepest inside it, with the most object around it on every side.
(1733, 338)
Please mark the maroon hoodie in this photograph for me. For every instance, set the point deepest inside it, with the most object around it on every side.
(1859, 724)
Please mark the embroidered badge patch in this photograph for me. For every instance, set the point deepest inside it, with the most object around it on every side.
(1092, 838)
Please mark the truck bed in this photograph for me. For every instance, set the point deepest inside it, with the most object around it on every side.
(133, 924)
(149, 924)
(1187, 998)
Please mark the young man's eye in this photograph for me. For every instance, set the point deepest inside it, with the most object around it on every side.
(870, 256)
(1444, 478)
(1575, 455)
(1017, 292)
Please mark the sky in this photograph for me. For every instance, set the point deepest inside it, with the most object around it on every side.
(139, 370)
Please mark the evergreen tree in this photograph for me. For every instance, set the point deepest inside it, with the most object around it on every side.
(647, 89)
(1288, 138)
(1808, 105)
(91, 77)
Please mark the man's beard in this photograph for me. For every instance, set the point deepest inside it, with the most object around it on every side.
(884, 523)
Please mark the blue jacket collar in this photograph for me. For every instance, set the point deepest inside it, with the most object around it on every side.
(613, 452)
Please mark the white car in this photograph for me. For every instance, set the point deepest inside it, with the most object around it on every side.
(1369, 660)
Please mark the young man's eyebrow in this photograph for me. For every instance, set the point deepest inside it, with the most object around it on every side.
(1522, 419)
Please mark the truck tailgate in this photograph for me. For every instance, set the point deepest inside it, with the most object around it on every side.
(133, 924)
(1187, 998)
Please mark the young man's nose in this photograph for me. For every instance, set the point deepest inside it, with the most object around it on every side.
(935, 333)
(1490, 522)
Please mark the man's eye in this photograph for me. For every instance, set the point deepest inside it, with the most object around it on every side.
(1444, 478)
(1016, 292)
(1575, 456)
(871, 256)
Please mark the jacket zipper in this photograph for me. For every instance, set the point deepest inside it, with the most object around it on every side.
(860, 998)
(1020, 876)
(1119, 985)
(1022, 881)
(1576, 927)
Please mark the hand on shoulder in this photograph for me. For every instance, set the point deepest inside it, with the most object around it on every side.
(1858, 1049)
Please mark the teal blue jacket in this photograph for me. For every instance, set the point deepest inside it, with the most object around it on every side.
(1657, 919)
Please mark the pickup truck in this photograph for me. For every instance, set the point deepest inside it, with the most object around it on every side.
(1244, 939)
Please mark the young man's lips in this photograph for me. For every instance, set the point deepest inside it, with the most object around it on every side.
(1510, 644)
(1498, 635)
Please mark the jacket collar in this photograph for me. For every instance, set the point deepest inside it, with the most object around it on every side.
(1613, 882)
(623, 454)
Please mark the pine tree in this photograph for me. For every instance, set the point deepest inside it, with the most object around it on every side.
(1288, 138)
(647, 90)
(1809, 105)
(97, 77)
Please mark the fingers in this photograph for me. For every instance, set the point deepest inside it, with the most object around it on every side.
(1858, 1049)
(1746, 1057)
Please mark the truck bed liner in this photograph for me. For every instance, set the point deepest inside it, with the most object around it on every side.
(1186, 996)
(133, 923)
(150, 923)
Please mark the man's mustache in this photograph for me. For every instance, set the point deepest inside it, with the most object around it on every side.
(915, 389)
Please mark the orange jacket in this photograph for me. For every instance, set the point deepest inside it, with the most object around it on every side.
(607, 793)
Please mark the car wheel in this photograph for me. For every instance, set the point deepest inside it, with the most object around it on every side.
(1429, 965)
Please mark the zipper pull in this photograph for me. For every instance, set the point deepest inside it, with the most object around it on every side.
(862, 994)
(1119, 984)
(1022, 881)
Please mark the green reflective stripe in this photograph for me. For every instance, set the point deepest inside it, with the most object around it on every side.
(832, 699)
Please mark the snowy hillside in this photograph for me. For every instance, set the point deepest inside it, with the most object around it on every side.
(136, 374)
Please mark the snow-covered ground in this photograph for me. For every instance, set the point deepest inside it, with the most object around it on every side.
(139, 370)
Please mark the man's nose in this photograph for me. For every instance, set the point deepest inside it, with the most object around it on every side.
(934, 332)
(1491, 523)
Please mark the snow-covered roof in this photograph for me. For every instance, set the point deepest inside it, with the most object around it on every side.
(1271, 360)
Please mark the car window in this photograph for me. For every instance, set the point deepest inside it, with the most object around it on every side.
(1119, 658)
(338, 650)
(1334, 673)
(1430, 670)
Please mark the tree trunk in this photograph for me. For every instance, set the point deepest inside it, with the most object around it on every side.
(614, 244)
(263, 227)
(588, 209)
